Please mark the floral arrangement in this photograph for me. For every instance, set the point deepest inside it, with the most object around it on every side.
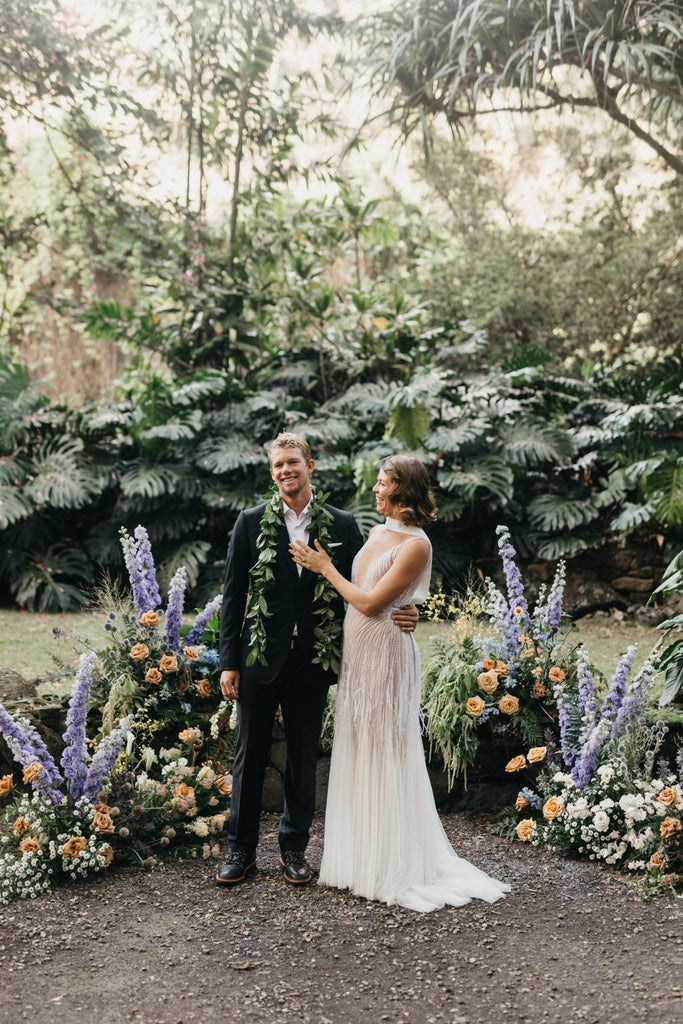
(503, 681)
(58, 832)
(606, 798)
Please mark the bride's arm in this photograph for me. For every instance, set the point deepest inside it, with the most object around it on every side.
(409, 562)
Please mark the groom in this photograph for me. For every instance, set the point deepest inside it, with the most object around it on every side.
(291, 678)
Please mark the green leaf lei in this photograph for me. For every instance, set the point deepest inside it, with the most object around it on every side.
(328, 632)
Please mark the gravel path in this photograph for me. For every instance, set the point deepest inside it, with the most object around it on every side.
(573, 942)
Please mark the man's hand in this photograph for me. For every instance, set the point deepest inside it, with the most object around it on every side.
(230, 683)
(405, 618)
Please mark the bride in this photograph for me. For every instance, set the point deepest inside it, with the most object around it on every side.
(383, 836)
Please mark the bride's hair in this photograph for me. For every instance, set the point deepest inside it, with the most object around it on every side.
(412, 497)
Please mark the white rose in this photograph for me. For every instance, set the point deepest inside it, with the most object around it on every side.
(600, 821)
(606, 772)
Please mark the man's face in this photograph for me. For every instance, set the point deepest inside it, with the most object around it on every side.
(292, 473)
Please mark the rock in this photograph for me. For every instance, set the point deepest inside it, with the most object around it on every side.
(278, 755)
(586, 593)
(483, 797)
(633, 583)
(14, 685)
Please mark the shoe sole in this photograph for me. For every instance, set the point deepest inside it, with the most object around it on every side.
(237, 881)
(296, 881)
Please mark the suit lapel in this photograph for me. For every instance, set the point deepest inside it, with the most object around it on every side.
(284, 556)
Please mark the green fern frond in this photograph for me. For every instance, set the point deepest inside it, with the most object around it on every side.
(145, 481)
(530, 444)
(192, 554)
(564, 546)
(451, 438)
(489, 473)
(14, 506)
(226, 454)
(59, 477)
(631, 517)
(552, 512)
(664, 488)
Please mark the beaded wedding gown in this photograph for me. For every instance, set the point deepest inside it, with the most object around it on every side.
(383, 836)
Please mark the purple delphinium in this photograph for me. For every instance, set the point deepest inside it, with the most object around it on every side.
(75, 755)
(634, 700)
(513, 578)
(202, 620)
(103, 760)
(504, 622)
(145, 560)
(43, 754)
(615, 694)
(174, 610)
(552, 613)
(586, 684)
(568, 748)
(22, 746)
(584, 767)
(138, 579)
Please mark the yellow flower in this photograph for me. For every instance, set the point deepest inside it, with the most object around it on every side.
(516, 764)
(107, 852)
(203, 687)
(474, 706)
(657, 861)
(149, 619)
(168, 663)
(191, 653)
(508, 704)
(536, 754)
(537, 671)
(74, 847)
(6, 783)
(153, 675)
(223, 786)
(552, 808)
(487, 682)
(488, 664)
(189, 735)
(502, 669)
(103, 823)
(555, 675)
(669, 827)
(521, 802)
(183, 791)
(525, 829)
(21, 825)
(669, 796)
(139, 652)
(33, 771)
(30, 845)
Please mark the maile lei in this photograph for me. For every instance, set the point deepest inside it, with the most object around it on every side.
(328, 632)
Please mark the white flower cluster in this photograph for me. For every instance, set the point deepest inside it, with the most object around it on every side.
(607, 821)
(203, 827)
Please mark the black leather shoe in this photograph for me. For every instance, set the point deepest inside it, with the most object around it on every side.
(237, 866)
(295, 867)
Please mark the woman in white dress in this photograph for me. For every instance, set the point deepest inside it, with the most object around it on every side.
(383, 836)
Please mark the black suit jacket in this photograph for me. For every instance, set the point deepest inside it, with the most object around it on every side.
(290, 596)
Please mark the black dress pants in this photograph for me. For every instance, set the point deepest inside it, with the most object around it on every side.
(302, 700)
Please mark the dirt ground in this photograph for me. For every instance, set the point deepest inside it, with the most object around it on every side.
(573, 942)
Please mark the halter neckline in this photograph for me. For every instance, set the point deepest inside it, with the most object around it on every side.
(396, 526)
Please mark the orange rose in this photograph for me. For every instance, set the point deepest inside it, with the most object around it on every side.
(107, 852)
(474, 706)
(539, 690)
(516, 764)
(556, 675)
(536, 754)
(518, 610)
(525, 829)
(30, 845)
(657, 861)
(191, 653)
(153, 675)
(223, 786)
(168, 663)
(74, 847)
(488, 665)
(139, 652)
(203, 687)
(6, 783)
(102, 808)
(537, 671)
(183, 791)
(149, 619)
(508, 704)
(669, 796)
(521, 802)
(669, 827)
(487, 682)
(525, 640)
(21, 825)
(102, 823)
(33, 772)
(552, 808)
(502, 669)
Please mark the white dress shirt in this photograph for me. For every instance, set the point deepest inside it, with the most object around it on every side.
(297, 528)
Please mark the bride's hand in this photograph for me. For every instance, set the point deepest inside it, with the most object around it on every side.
(314, 561)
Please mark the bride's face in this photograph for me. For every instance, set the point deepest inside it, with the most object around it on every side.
(383, 490)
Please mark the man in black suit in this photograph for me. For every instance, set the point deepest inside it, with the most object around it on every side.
(291, 678)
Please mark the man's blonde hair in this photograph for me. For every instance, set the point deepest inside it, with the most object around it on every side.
(289, 440)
